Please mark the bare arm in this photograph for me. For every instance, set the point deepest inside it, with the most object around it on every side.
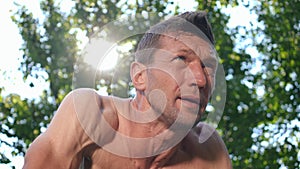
(64, 142)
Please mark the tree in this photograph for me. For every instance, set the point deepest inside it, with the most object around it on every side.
(280, 80)
(257, 127)
(49, 48)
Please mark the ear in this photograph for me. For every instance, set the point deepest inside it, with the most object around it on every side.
(138, 75)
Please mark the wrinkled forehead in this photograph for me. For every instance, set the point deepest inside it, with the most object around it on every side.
(187, 33)
(198, 45)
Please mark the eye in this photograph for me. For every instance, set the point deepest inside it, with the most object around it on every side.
(203, 65)
(183, 58)
(209, 67)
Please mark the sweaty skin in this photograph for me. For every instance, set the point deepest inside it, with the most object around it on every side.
(82, 126)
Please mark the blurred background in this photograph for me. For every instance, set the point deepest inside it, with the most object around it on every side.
(257, 42)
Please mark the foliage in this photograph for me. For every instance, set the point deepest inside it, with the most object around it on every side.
(280, 81)
(257, 127)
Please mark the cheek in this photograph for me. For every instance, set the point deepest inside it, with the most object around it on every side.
(165, 79)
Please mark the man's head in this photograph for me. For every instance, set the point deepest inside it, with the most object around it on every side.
(176, 59)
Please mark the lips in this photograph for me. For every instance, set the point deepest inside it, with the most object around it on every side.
(191, 99)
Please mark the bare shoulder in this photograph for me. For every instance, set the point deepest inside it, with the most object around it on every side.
(204, 143)
(85, 107)
(66, 140)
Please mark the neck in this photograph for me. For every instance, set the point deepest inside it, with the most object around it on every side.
(138, 124)
(144, 118)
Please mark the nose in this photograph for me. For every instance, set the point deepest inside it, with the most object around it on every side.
(199, 77)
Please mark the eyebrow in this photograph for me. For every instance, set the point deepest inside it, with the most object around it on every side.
(209, 61)
(187, 51)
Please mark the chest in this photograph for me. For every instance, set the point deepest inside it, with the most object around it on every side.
(102, 159)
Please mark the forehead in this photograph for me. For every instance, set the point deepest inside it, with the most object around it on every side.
(176, 42)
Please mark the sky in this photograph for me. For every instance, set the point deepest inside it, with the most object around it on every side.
(11, 41)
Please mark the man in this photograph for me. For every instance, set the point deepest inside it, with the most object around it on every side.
(173, 75)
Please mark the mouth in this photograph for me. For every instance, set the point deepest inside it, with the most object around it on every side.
(191, 99)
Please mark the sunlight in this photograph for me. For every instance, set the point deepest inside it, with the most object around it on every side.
(101, 54)
(110, 60)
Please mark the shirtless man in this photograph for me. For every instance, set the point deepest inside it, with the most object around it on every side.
(173, 75)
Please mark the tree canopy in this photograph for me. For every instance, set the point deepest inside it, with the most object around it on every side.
(260, 123)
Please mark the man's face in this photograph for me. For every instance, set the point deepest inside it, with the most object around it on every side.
(183, 71)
